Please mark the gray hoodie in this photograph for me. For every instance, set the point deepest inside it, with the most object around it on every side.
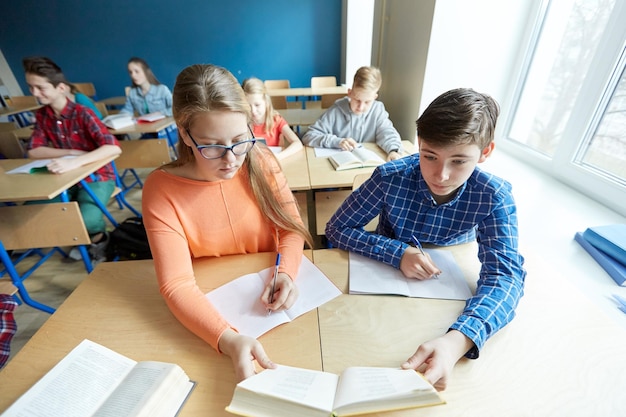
(338, 122)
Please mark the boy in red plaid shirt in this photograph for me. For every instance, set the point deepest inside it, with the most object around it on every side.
(64, 128)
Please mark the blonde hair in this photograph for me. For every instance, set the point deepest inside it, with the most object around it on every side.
(204, 88)
(367, 78)
(253, 85)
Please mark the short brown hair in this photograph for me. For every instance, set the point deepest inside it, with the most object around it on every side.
(44, 67)
(459, 116)
(367, 78)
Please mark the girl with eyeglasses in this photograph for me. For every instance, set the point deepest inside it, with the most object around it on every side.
(222, 196)
(267, 122)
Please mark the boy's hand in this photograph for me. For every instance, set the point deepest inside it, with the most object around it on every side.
(243, 351)
(63, 165)
(415, 265)
(348, 144)
(436, 358)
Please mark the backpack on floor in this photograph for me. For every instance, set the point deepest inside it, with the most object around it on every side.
(128, 241)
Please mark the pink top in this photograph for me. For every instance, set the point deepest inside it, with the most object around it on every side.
(273, 138)
(188, 219)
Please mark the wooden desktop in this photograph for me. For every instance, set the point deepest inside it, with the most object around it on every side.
(559, 357)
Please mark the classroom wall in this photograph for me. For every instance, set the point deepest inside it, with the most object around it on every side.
(92, 41)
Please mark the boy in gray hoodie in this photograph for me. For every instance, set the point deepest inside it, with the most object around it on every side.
(357, 118)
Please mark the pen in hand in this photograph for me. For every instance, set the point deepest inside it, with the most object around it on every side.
(418, 245)
(271, 299)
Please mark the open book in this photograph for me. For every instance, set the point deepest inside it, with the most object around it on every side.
(368, 276)
(151, 117)
(118, 121)
(357, 158)
(288, 391)
(93, 380)
(239, 301)
(38, 165)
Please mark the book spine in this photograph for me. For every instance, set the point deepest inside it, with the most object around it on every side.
(606, 246)
(616, 270)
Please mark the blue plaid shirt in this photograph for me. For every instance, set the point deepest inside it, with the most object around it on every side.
(483, 210)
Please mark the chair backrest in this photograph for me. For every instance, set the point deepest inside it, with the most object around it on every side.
(270, 84)
(103, 109)
(279, 102)
(24, 101)
(329, 99)
(328, 81)
(147, 153)
(10, 145)
(87, 89)
(42, 226)
(360, 179)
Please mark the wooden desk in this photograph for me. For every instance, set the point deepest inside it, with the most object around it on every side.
(30, 187)
(560, 356)
(162, 128)
(154, 127)
(307, 91)
(323, 175)
(119, 306)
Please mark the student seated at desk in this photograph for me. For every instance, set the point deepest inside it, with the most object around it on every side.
(147, 94)
(441, 197)
(357, 118)
(222, 196)
(268, 123)
(64, 128)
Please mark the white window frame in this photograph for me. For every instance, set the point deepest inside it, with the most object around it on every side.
(594, 95)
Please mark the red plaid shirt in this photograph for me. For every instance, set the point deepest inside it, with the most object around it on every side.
(76, 128)
(8, 327)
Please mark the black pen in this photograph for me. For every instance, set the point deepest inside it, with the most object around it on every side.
(418, 245)
(274, 282)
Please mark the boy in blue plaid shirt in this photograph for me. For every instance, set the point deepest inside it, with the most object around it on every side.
(441, 197)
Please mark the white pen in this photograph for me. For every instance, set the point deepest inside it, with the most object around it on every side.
(418, 245)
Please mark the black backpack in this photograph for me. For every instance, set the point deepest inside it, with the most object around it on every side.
(128, 241)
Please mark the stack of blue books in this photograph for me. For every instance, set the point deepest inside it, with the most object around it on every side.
(607, 245)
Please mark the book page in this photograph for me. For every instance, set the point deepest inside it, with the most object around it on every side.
(326, 152)
(344, 160)
(365, 384)
(368, 276)
(36, 165)
(368, 157)
(315, 389)
(150, 389)
(239, 301)
(76, 386)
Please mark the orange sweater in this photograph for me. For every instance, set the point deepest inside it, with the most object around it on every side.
(188, 219)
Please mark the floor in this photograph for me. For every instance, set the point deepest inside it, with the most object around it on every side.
(550, 213)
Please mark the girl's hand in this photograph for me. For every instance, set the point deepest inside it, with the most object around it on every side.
(285, 293)
(243, 351)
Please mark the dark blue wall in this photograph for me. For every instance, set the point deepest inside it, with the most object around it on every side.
(92, 40)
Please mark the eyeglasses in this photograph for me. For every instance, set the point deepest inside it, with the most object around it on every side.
(218, 151)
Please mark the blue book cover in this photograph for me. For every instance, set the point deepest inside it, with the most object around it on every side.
(616, 270)
(610, 239)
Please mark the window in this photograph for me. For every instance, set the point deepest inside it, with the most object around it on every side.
(569, 114)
